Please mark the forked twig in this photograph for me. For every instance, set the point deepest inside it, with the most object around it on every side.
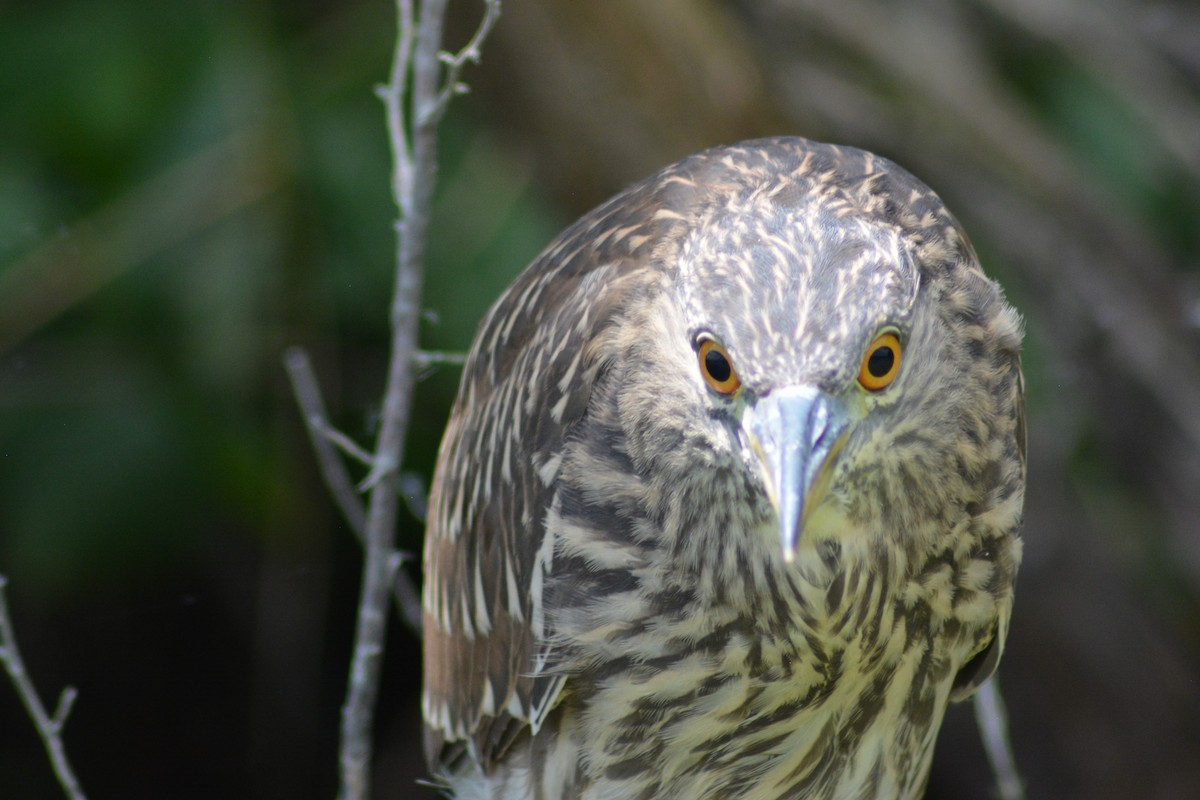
(49, 726)
(451, 86)
(333, 470)
(326, 441)
(423, 79)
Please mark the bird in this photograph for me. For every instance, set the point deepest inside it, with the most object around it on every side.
(729, 502)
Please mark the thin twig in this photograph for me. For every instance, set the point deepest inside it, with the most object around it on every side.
(414, 154)
(451, 86)
(342, 441)
(393, 95)
(426, 358)
(337, 480)
(49, 727)
(993, 729)
(333, 470)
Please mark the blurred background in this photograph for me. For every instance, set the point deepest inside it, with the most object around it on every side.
(188, 188)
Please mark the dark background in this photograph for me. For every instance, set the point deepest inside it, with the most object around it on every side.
(187, 188)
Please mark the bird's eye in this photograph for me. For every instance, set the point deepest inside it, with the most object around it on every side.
(716, 367)
(881, 364)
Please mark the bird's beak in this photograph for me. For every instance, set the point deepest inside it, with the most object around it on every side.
(796, 434)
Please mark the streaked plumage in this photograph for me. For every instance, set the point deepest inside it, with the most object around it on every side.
(640, 587)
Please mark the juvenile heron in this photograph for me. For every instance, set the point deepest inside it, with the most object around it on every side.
(729, 503)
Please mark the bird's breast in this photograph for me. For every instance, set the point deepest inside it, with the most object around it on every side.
(708, 702)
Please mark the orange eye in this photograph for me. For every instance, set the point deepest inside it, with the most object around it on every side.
(716, 367)
(881, 364)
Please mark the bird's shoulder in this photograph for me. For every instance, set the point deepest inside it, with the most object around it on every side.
(527, 383)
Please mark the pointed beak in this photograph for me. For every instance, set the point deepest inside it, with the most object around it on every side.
(796, 434)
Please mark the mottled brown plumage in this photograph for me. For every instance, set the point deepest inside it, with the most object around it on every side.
(653, 570)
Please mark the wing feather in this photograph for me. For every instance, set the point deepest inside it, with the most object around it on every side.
(526, 383)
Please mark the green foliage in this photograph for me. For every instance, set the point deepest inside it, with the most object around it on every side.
(152, 406)
(184, 191)
(187, 188)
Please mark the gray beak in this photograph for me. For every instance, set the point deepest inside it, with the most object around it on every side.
(795, 432)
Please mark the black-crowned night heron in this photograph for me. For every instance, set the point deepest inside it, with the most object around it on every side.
(728, 506)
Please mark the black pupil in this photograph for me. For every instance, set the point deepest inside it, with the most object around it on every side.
(718, 366)
(881, 361)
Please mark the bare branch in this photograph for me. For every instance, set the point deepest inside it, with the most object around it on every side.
(49, 728)
(323, 437)
(308, 397)
(66, 702)
(416, 77)
(408, 599)
(993, 729)
(426, 358)
(393, 95)
(380, 468)
(455, 62)
(343, 442)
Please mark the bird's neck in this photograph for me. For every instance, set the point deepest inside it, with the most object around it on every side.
(760, 680)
